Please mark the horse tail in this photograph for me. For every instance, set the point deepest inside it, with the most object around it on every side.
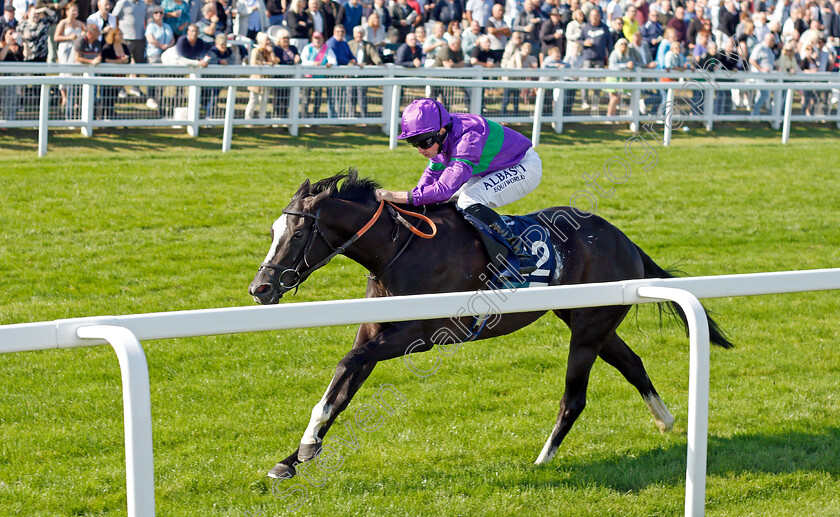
(652, 270)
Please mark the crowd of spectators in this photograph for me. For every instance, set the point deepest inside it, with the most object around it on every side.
(753, 35)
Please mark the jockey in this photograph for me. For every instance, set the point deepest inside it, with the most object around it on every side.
(481, 162)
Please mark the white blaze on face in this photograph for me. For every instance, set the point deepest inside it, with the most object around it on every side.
(277, 229)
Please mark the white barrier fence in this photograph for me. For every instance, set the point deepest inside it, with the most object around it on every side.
(124, 333)
(296, 96)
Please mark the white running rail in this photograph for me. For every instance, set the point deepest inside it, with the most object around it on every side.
(124, 333)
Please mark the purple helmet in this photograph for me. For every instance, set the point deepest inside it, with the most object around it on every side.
(423, 116)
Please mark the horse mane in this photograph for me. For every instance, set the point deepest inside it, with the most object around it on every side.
(351, 187)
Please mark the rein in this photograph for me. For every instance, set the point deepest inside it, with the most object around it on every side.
(316, 231)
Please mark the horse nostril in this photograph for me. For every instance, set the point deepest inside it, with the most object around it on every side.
(261, 289)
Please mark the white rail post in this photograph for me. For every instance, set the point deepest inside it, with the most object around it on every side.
(538, 111)
(137, 411)
(709, 107)
(193, 105)
(669, 112)
(635, 97)
(294, 107)
(43, 120)
(87, 109)
(788, 108)
(394, 116)
(777, 107)
(559, 96)
(698, 392)
(230, 108)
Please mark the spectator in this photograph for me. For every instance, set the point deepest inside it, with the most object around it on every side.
(383, 17)
(616, 30)
(189, 50)
(748, 36)
(479, 10)
(613, 10)
(763, 59)
(696, 24)
(497, 28)
(795, 23)
(343, 55)
(329, 10)
(631, 24)
(674, 59)
(350, 15)
(116, 52)
(664, 12)
(287, 54)
(620, 59)
(403, 17)
(8, 20)
(728, 19)
(639, 49)
(131, 19)
(551, 32)
(103, 19)
(208, 25)
(574, 26)
(787, 62)
(409, 54)
(832, 24)
(679, 25)
(250, 18)
(420, 32)
(652, 30)
(261, 55)
(596, 41)
(316, 18)
(511, 49)
(366, 54)
(529, 22)
(664, 46)
(374, 32)
(300, 24)
(482, 55)
(274, 10)
(218, 54)
(21, 10)
(176, 15)
(88, 48)
(36, 32)
(11, 50)
(469, 38)
(448, 11)
(451, 56)
(507, 61)
(434, 43)
(68, 30)
(315, 54)
(453, 30)
(159, 38)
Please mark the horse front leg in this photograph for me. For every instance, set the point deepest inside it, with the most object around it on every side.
(371, 346)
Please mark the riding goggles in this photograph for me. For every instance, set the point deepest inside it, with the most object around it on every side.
(424, 141)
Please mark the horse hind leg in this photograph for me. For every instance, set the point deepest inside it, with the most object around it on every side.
(616, 353)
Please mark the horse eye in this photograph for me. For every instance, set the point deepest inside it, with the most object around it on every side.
(298, 234)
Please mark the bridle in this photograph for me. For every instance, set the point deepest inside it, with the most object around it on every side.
(278, 273)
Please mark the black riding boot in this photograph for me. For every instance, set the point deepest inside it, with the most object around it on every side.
(489, 217)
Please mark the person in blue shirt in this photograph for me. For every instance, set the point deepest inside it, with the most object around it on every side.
(350, 14)
(343, 56)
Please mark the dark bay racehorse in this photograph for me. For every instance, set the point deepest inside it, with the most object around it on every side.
(336, 215)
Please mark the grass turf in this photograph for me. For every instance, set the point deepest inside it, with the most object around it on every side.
(138, 221)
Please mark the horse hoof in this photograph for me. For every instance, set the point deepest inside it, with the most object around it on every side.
(282, 471)
(307, 451)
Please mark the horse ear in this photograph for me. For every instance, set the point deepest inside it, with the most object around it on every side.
(304, 188)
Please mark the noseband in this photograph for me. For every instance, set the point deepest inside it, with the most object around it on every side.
(279, 272)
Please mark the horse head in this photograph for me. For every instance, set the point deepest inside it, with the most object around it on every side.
(299, 245)
(293, 236)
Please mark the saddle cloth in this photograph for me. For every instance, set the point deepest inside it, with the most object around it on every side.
(503, 270)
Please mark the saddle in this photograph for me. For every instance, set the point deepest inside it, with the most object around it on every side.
(503, 270)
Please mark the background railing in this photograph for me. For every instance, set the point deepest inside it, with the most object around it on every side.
(30, 97)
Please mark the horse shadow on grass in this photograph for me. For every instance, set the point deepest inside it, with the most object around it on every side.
(754, 453)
